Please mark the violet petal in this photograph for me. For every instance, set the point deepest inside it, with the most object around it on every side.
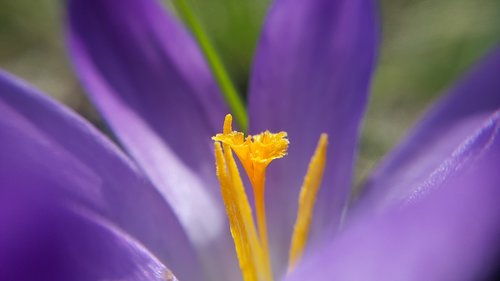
(46, 144)
(434, 137)
(42, 239)
(452, 234)
(150, 81)
(311, 75)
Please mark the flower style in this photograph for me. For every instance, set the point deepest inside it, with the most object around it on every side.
(74, 207)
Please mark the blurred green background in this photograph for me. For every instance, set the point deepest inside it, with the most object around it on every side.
(427, 44)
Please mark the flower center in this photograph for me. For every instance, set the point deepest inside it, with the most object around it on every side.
(255, 154)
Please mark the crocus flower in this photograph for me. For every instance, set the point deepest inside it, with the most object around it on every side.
(74, 207)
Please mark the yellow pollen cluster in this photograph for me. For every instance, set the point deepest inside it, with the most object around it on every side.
(255, 153)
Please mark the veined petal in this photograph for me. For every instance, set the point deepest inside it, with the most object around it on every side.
(455, 117)
(46, 144)
(311, 75)
(452, 234)
(42, 239)
(149, 80)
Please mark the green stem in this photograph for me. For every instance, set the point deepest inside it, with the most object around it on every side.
(227, 88)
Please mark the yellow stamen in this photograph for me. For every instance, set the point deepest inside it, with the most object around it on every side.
(255, 154)
(239, 214)
(307, 199)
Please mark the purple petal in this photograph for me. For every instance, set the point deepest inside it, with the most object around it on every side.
(311, 75)
(44, 144)
(452, 234)
(41, 239)
(456, 116)
(149, 80)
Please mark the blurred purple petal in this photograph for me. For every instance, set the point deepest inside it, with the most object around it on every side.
(45, 145)
(149, 80)
(452, 234)
(311, 74)
(456, 116)
(41, 239)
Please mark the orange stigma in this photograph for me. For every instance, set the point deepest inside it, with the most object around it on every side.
(255, 154)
